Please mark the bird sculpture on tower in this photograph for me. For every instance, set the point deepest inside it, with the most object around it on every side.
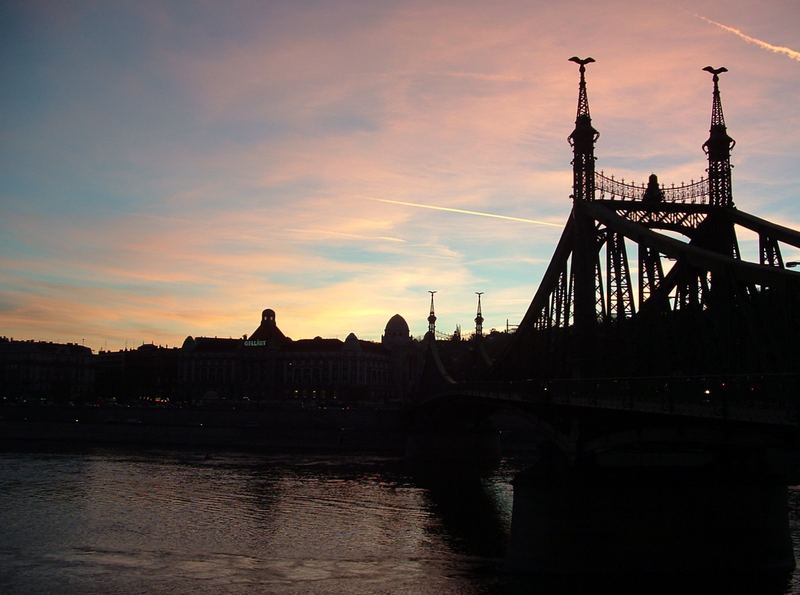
(715, 71)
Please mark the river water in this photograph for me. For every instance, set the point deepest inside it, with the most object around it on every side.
(183, 521)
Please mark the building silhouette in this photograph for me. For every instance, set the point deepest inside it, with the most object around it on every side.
(42, 371)
(264, 366)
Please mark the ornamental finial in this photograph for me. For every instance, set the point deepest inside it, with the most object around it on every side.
(715, 71)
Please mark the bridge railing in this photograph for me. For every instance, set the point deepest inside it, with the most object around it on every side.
(764, 398)
(753, 398)
(696, 192)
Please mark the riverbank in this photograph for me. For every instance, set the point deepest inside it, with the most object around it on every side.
(261, 426)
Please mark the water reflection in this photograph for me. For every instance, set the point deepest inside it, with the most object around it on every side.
(182, 521)
(473, 511)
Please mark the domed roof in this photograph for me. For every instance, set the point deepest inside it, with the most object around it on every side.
(351, 343)
(268, 330)
(397, 326)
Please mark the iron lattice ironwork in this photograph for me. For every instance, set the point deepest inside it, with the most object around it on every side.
(769, 251)
(582, 140)
(695, 305)
(619, 297)
(718, 148)
(610, 188)
(685, 222)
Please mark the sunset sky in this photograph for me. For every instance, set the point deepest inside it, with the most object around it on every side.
(172, 168)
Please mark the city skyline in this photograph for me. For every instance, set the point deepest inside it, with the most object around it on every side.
(174, 171)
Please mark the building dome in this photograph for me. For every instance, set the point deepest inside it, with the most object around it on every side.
(396, 332)
(396, 327)
(268, 330)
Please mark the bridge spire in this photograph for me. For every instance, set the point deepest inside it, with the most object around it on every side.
(718, 149)
(585, 262)
(479, 317)
(432, 318)
(582, 141)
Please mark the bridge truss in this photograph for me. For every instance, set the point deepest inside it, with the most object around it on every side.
(696, 307)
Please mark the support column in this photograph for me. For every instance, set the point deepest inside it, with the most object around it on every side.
(649, 520)
(584, 250)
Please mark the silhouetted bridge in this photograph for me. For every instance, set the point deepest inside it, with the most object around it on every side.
(702, 331)
(699, 355)
(760, 399)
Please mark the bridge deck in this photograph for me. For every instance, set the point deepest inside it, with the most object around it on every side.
(766, 399)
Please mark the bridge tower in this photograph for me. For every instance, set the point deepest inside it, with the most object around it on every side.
(582, 140)
(585, 266)
(672, 414)
(432, 319)
(718, 149)
(479, 317)
(695, 291)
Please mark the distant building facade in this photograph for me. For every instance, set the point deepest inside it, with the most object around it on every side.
(264, 366)
(148, 372)
(44, 371)
(267, 365)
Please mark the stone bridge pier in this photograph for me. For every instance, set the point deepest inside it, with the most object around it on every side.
(727, 514)
(627, 491)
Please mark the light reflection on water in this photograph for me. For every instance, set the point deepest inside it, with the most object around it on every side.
(178, 522)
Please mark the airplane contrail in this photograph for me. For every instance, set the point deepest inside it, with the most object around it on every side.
(465, 212)
(778, 49)
(330, 232)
